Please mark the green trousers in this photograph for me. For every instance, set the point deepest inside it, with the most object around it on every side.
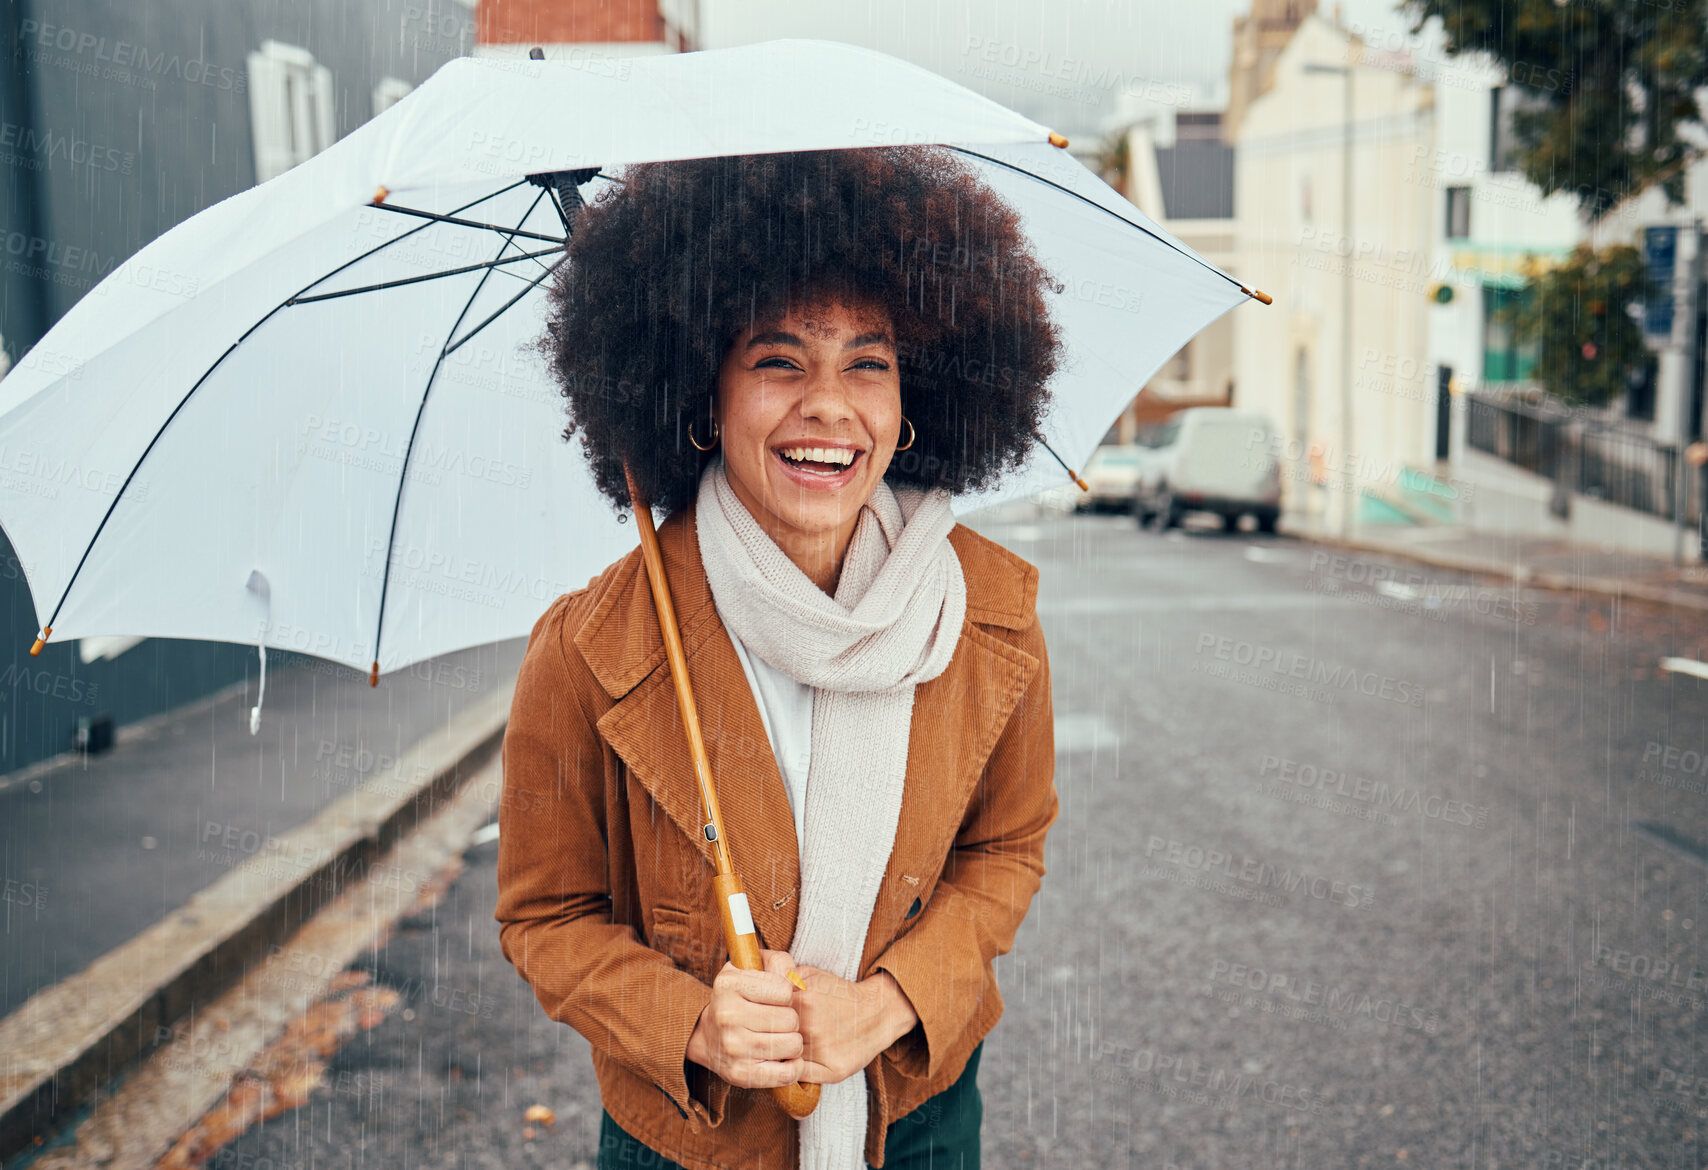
(942, 1134)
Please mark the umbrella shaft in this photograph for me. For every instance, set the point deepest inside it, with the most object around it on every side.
(678, 660)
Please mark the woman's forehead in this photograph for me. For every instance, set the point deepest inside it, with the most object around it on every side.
(825, 319)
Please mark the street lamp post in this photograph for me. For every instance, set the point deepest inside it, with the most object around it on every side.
(1346, 505)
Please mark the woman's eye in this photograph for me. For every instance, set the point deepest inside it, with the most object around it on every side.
(871, 364)
(775, 363)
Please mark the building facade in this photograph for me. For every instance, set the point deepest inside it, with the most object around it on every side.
(1349, 275)
(117, 121)
(586, 30)
(1180, 172)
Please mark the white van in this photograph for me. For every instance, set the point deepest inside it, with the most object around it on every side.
(1209, 459)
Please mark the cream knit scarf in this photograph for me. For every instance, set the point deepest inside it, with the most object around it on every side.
(893, 624)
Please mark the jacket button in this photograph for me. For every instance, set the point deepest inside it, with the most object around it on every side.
(913, 909)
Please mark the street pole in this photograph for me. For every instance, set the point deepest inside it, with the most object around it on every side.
(1686, 388)
(1348, 492)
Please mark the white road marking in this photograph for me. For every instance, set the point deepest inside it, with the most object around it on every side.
(1264, 555)
(1398, 590)
(484, 834)
(1685, 666)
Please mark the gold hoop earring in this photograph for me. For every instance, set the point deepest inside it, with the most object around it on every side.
(696, 442)
(911, 434)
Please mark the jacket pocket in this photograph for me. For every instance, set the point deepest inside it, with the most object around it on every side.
(682, 937)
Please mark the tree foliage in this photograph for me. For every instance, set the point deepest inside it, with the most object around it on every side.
(1581, 315)
(1114, 161)
(1615, 83)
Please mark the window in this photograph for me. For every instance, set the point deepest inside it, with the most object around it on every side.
(1504, 102)
(290, 107)
(1504, 359)
(1458, 213)
(1640, 391)
(388, 93)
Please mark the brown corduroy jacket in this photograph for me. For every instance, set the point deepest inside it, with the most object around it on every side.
(604, 876)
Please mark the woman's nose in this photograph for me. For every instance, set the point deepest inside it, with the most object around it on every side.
(825, 397)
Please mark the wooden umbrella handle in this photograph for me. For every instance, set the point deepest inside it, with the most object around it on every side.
(798, 1100)
(801, 1098)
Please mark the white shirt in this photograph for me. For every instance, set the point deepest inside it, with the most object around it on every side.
(785, 708)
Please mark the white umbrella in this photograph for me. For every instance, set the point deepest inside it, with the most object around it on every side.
(228, 440)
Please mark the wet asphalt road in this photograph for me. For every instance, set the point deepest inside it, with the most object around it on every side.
(1347, 874)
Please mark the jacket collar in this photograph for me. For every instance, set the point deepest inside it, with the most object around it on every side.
(957, 716)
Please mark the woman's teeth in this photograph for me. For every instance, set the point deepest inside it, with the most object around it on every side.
(819, 460)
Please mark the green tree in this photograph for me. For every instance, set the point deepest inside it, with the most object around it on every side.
(1113, 160)
(1581, 314)
(1615, 80)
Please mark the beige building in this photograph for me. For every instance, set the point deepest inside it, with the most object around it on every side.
(1182, 176)
(1350, 282)
(1259, 38)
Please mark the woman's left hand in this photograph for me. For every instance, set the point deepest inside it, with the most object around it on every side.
(845, 1025)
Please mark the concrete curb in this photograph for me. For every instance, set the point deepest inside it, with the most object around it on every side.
(157, 1115)
(1524, 575)
(67, 1040)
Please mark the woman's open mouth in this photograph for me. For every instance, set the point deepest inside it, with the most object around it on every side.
(819, 467)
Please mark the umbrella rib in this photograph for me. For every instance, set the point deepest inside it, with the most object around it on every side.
(440, 217)
(188, 394)
(534, 256)
(532, 284)
(1116, 215)
(421, 408)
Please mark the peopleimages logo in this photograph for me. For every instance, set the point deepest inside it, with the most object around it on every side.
(122, 57)
(1337, 1001)
(1307, 669)
(1254, 874)
(1392, 797)
(46, 146)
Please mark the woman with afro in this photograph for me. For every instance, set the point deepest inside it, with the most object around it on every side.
(800, 359)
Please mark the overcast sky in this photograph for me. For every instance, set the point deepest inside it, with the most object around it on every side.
(1072, 56)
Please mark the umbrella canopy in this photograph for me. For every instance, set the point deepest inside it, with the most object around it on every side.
(309, 418)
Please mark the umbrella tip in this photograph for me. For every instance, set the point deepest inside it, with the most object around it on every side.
(379, 195)
(374, 674)
(536, 54)
(1257, 294)
(42, 640)
(1058, 141)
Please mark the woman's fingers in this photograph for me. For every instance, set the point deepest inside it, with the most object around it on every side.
(765, 1018)
(779, 962)
(815, 1073)
(783, 1046)
(768, 1074)
(767, 987)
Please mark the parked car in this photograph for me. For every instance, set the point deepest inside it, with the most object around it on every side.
(1110, 473)
(1209, 459)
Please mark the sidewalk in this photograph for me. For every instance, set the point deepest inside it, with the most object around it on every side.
(94, 849)
(1545, 562)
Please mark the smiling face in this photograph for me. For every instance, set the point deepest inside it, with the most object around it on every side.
(809, 413)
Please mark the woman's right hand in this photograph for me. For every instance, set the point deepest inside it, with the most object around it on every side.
(749, 1034)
